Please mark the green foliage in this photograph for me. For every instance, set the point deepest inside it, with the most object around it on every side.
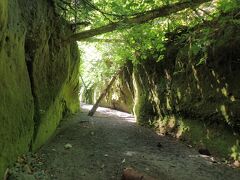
(100, 63)
(145, 41)
(228, 5)
(199, 44)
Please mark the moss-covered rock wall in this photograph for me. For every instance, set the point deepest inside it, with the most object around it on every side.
(16, 109)
(193, 92)
(121, 94)
(38, 76)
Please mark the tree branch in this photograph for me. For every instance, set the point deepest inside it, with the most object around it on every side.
(139, 19)
(103, 40)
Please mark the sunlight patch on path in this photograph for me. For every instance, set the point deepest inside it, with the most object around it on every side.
(110, 112)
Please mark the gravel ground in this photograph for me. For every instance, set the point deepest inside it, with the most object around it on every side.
(100, 147)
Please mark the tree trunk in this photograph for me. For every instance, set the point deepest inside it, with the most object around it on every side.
(139, 19)
(103, 40)
(103, 94)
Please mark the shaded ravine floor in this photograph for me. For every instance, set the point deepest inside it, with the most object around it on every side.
(103, 145)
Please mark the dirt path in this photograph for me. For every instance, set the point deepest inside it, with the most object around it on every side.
(108, 142)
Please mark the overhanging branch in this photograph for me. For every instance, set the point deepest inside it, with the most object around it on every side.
(139, 19)
(103, 40)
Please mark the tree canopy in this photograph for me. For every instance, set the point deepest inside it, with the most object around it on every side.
(139, 18)
(133, 29)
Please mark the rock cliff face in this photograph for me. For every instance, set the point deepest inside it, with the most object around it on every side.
(193, 92)
(38, 75)
(198, 77)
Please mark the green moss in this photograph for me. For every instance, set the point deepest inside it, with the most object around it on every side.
(49, 123)
(66, 101)
(219, 140)
(16, 109)
(143, 107)
(71, 89)
(39, 77)
(3, 15)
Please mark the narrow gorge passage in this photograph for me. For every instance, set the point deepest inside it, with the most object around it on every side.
(105, 144)
(173, 64)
